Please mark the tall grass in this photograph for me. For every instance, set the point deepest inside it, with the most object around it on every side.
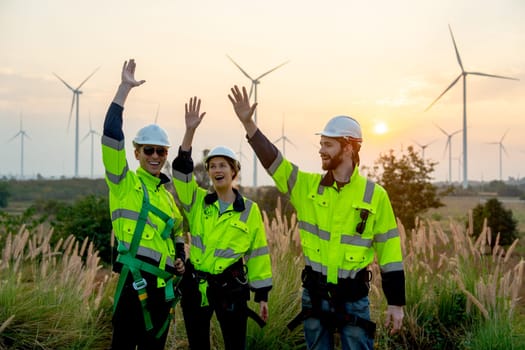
(461, 293)
(50, 297)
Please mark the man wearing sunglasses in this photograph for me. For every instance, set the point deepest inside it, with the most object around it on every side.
(148, 228)
(345, 221)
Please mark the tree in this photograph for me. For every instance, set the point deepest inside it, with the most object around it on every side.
(499, 219)
(407, 181)
(88, 217)
(4, 194)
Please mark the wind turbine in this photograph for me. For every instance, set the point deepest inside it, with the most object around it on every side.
(284, 139)
(253, 89)
(241, 157)
(22, 133)
(501, 149)
(423, 147)
(449, 146)
(75, 100)
(92, 132)
(464, 75)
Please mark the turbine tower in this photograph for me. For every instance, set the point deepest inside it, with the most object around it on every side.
(92, 132)
(449, 146)
(464, 75)
(22, 133)
(253, 89)
(75, 101)
(501, 149)
(284, 139)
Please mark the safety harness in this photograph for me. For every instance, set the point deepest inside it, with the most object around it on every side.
(133, 265)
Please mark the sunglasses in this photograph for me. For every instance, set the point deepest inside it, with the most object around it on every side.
(361, 226)
(149, 150)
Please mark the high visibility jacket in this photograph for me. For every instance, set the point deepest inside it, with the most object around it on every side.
(328, 219)
(219, 240)
(126, 198)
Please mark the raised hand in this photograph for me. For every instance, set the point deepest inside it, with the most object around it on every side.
(128, 74)
(192, 116)
(241, 104)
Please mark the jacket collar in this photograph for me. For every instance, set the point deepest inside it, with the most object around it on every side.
(238, 203)
(328, 178)
(151, 180)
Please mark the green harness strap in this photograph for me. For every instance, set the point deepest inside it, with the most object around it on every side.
(131, 264)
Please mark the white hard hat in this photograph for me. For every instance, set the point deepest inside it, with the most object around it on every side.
(222, 151)
(343, 126)
(152, 135)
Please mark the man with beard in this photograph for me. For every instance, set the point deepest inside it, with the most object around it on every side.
(345, 222)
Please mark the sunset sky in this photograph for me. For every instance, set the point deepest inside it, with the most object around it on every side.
(382, 62)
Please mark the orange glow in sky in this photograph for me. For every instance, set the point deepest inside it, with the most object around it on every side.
(382, 62)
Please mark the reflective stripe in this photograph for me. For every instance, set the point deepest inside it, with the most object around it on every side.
(196, 241)
(356, 240)
(226, 253)
(112, 143)
(341, 273)
(150, 253)
(186, 178)
(179, 239)
(117, 178)
(317, 267)
(395, 266)
(273, 167)
(314, 229)
(261, 283)
(369, 191)
(383, 237)
(257, 252)
(320, 189)
(246, 213)
(129, 214)
(292, 179)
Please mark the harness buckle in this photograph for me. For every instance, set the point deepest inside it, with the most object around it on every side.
(140, 284)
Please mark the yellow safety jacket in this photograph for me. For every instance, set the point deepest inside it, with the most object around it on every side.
(126, 198)
(219, 240)
(328, 219)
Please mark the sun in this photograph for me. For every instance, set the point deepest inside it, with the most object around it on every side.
(380, 128)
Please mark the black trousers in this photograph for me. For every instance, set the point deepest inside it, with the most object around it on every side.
(129, 330)
(230, 310)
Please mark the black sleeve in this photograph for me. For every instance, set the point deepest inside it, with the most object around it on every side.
(264, 149)
(179, 251)
(261, 294)
(394, 287)
(183, 162)
(113, 122)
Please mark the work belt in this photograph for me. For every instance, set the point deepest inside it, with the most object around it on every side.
(346, 290)
(232, 283)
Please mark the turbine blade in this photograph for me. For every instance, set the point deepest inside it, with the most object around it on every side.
(85, 137)
(279, 139)
(66, 84)
(290, 142)
(71, 111)
(14, 137)
(456, 48)
(447, 145)
(443, 131)
(82, 83)
(444, 92)
(504, 150)
(505, 134)
(492, 76)
(271, 70)
(455, 132)
(251, 90)
(242, 70)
